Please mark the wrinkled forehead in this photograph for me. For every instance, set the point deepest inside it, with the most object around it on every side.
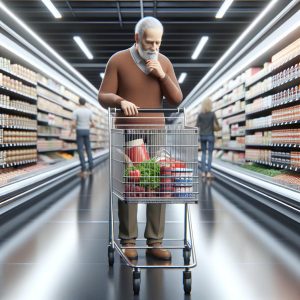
(153, 34)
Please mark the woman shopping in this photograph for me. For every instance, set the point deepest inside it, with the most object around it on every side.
(207, 123)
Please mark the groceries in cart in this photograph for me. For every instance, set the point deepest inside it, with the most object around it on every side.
(159, 176)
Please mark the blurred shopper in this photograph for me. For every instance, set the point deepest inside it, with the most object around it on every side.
(82, 121)
(207, 122)
(139, 77)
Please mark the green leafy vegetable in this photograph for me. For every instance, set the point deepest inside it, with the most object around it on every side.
(150, 171)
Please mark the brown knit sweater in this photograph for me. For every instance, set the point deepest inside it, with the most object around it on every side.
(124, 80)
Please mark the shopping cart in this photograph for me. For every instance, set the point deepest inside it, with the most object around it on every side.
(154, 162)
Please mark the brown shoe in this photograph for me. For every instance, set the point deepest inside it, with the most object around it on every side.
(158, 252)
(131, 253)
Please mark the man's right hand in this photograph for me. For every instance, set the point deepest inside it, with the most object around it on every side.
(129, 108)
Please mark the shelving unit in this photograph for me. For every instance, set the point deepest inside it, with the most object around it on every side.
(280, 114)
(18, 125)
(269, 124)
(36, 115)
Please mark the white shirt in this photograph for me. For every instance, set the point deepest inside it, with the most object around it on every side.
(83, 116)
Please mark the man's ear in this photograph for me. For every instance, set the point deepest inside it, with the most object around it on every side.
(136, 37)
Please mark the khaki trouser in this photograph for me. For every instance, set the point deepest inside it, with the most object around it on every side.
(155, 224)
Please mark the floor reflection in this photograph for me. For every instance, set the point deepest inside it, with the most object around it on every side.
(206, 206)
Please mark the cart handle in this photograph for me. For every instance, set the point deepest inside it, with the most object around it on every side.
(152, 110)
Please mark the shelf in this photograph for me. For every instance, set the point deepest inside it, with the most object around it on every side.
(7, 145)
(50, 89)
(17, 94)
(288, 146)
(277, 125)
(55, 102)
(227, 104)
(236, 122)
(19, 128)
(237, 135)
(53, 113)
(259, 78)
(276, 165)
(73, 149)
(19, 112)
(287, 63)
(49, 150)
(51, 125)
(15, 76)
(48, 135)
(233, 114)
(230, 90)
(49, 99)
(279, 88)
(230, 149)
(279, 105)
(14, 164)
(67, 139)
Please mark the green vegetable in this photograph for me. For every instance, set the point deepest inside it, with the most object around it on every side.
(150, 171)
(265, 170)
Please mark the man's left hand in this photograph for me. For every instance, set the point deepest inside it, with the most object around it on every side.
(155, 68)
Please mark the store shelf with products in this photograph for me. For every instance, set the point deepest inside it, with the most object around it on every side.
(18, 124)
(271, 131)
(35, 116)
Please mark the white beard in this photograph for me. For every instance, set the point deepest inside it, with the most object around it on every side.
(147, 54)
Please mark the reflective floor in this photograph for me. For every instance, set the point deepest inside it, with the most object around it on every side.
(58, 250)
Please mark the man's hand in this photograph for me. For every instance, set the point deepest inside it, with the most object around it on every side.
(129, 108)
(155, 68)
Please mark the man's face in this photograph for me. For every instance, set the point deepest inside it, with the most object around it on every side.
(148, 46)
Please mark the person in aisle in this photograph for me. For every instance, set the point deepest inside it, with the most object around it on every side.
(135, 78)
(207, 122)
(82, 121)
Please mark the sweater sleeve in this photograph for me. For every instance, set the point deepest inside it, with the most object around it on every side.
(107, 93)
(170, 87)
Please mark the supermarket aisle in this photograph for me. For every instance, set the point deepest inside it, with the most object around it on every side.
(61, 253)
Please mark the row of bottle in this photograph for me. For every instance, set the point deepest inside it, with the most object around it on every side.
(7, 120)
(274, 81)
(17, 86)
(288, 95)
(18, 70)
(18, 105)
(16, 136)
(19, 155)
(288, 114)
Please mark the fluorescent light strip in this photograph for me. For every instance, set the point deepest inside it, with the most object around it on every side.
(200, 46)
(52, 9)
(223, 9)
(102, 75)
(228, 52)
(232, 73)
(45, 45)
(83, 47)
(182, 77)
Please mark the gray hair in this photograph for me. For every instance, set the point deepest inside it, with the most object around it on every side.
(146, 23)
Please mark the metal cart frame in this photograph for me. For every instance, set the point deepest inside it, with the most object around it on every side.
(188, 245)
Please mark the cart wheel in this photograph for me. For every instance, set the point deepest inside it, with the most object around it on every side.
(111, 255)
(186, 256)
(136, 282)
(187, 282)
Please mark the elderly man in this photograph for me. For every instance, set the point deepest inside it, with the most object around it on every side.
(139, 77)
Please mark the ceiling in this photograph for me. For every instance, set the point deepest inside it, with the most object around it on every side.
(108, 26)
